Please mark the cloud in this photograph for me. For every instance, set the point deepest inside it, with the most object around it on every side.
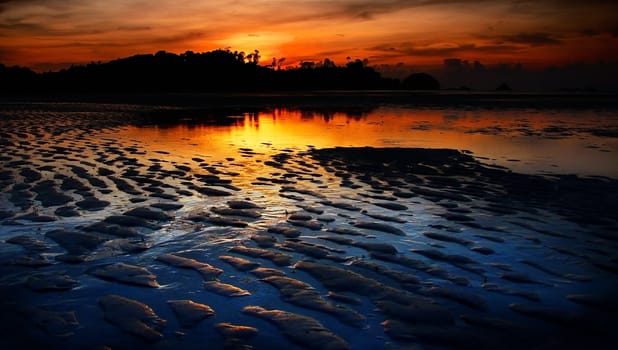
(390, 30)
(6, 54)
(444, 49)
(19, 26)
(130, 28)
(366, 9)
(331, 53)
(428, 50)
(438, 50)
(590, 32)
(177, 38)
(55, 5)
(558, 6)
(533, 39)
(155, 41)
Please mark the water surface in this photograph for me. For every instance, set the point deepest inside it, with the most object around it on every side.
(525, 140)
(492, 227)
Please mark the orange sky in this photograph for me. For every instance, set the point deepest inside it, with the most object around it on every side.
(50, 34)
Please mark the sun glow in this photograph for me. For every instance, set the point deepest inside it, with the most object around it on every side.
(55, 33)
(268, 43)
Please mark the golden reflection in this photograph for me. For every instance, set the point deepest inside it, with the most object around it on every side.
(528, 141)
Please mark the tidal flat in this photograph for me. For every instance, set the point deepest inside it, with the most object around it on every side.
(134, 226)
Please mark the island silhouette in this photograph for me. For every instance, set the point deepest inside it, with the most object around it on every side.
(213, 71)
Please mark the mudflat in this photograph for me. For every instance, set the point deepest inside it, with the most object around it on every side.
(111, 240)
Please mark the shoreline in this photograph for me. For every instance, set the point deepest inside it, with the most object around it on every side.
(502, 136)
(342, 99)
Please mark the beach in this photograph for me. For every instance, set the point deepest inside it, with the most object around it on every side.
(159, 226)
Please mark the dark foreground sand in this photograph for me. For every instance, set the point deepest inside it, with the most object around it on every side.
(108, 243)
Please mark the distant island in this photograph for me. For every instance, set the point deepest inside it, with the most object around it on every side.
(212, 71)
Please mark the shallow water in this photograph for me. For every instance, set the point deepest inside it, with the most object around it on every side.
(460, 224)
(582, 142)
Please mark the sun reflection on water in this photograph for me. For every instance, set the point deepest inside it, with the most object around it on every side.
(526, 141)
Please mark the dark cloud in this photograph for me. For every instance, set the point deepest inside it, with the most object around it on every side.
(559, 5)
(173, 39)
(557, 13)
(533, 39)
(412, 50)
(566, 3)
(590, 32)
(384, 48)
(331, 53)
(155, 41)
(498, 48)
(438, 51)
(407, 49)
(134, 28)
(319, 56)
(19, 26)
(457, 72)
(6, 54)
(366, 9)
(61, 5)
(599, 27)
(49, 3)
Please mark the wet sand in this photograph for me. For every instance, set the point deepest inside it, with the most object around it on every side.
(114, 242)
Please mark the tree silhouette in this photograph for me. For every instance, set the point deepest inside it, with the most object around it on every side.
(254, 57)
(503, 87)
(17, 79)
(220, 70)
(421, 81)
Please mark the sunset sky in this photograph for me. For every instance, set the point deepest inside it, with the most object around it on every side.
(50, 34)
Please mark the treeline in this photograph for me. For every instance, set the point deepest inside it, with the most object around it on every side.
(213, 71)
